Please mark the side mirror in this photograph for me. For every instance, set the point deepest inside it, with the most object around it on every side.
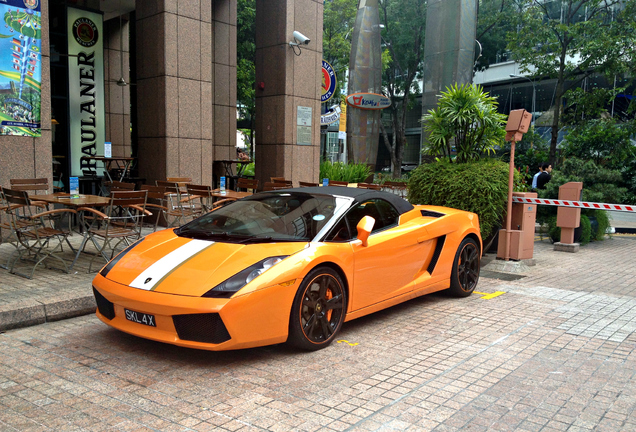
(365, 226)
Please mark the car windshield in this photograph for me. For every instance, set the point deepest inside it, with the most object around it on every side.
(264, 217)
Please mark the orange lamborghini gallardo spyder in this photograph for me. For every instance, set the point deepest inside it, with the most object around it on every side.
(286, 266)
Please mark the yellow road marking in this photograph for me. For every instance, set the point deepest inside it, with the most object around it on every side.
(348, 343)
(487, 296)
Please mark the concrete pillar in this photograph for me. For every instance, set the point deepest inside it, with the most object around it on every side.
(185, 58)
(286, 81)
(451, 26)
(117, 98)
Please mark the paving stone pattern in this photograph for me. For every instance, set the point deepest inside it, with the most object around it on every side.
(554, 353)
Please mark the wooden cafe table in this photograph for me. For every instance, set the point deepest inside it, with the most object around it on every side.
(66, 200)
(229, 194)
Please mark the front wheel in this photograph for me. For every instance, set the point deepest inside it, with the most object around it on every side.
(465, 273)
(318, 310)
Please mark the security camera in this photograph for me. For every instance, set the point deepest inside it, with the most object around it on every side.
(301, 38)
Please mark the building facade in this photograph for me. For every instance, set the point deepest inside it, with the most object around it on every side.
(157, 79)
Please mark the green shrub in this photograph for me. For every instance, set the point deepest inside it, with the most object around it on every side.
(599, 185)
(603, 220)
(338, 171)
(586, 230)
(479, 187)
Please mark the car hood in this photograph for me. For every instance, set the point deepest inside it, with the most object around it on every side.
(166, 263)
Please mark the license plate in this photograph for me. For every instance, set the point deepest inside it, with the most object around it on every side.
(140, 318)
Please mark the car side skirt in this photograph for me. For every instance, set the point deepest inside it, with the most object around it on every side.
(439, 285)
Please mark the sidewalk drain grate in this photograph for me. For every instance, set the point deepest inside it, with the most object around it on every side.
(501, 276)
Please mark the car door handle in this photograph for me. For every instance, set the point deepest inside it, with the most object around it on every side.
(423, 239)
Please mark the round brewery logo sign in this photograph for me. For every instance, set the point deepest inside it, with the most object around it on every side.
(31, 4)
(85, 32)
(328, 82)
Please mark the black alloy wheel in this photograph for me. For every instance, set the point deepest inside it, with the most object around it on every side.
(465, 273)
(318, 310)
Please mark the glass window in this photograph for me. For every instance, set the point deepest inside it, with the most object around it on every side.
(385, 214)
(265, 217)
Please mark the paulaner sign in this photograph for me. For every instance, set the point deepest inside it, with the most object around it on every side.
(86, 88)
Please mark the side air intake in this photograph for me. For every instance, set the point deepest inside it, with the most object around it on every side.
(430, 213)
(104, 306)
(438, 250)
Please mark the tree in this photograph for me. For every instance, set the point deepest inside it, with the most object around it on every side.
(466, 117)
(493, 26)
(403, 35)
(570, 40)
(338, 21)
(245, 64)
(604, 141)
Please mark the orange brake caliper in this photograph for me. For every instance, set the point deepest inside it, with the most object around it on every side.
(329, 296)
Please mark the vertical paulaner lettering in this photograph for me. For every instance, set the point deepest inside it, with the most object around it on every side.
(86, 62)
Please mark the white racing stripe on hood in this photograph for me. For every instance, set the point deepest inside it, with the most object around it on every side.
(157, 271)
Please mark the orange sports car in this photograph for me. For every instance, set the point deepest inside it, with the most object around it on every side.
(286, 266)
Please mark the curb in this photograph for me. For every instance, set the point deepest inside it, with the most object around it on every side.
(27, 313)
(625, 230)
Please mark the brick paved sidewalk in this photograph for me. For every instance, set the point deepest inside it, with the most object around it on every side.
(555, 352)
(51, 294)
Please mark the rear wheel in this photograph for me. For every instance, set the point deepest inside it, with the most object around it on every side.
(318, 310)
(465, 273)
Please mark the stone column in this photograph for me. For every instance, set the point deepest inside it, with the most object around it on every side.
(117, 100)
(176, 67)
(224, 85)
(451, 26)
(284, 82)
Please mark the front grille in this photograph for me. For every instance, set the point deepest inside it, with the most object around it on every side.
(105, 307)
(208, 328)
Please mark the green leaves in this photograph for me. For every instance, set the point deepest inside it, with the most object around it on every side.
(245, 57)
(338, 171)
(338, 20)
(605, 141)
(480, 187)
(467, 117)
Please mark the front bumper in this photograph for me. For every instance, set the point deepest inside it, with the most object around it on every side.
(255, 319)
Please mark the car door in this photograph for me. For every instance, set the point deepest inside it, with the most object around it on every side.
(393, 258)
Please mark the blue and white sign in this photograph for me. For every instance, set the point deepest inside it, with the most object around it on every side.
(74, 186)
(331, 116)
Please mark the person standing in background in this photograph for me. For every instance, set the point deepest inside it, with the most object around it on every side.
(545, 176)
(536, 176)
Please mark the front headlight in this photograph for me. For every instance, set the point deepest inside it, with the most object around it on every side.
(228, 287)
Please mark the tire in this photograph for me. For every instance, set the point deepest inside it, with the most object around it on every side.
(465, 273)
(318, 310)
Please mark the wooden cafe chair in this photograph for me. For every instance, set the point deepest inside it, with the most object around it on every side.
(39, 236)
(249, 185)
(117, 226)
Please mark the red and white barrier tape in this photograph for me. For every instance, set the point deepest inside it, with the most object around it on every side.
(576, 204)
